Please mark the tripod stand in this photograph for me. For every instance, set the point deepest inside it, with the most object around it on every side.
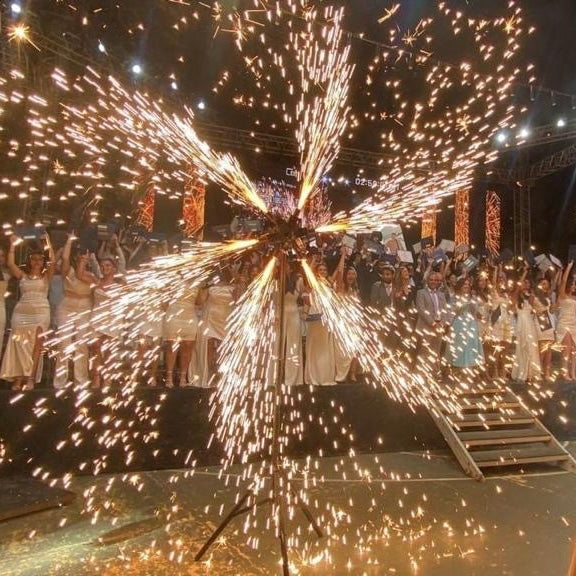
(280, 483)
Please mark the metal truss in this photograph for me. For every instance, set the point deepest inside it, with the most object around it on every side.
(227, 137)
(531, 173)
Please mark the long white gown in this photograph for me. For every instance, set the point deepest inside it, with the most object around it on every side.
(294, 366)
(527, 358)
(32, 312)
(342, 359)
(73, 321)
(320, 361)
(212, 325)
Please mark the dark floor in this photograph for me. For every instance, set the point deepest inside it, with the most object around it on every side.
(412, 513)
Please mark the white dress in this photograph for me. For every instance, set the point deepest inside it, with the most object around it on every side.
(213, 325)
(105, 319)
(294, 366)
(73, 333)
(527, 357)
(181, 320)
(566, 319)
(31, 313)
(502, 328)
(320, 362)
(342, 360)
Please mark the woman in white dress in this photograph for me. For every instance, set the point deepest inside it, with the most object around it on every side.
(31, 317)
(218, 300)
(345, 281)
(180, 334)
(566, 326)
(73, 317)
(148, 321)
(294, 360)
(320, 367)
(4, 278)
(502, 325)
(106, 324)
(544, 303)
(526, 366)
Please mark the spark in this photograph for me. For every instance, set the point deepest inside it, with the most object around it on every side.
(389, 13)
(21, 33)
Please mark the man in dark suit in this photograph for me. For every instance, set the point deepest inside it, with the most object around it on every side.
(433, 318)
(382, 300)
(382, 293)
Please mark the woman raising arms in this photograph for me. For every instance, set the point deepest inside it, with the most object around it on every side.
(31, 316)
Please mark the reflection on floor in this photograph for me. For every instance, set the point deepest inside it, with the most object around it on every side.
(413, 513)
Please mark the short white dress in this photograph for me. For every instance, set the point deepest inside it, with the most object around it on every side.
(566, 319)
(181, 319)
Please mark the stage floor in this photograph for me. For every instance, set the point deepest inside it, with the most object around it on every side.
(515, 525)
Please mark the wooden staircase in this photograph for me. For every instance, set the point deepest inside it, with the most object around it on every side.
(488, 426)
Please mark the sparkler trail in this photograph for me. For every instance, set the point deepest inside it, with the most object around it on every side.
(356, 329)
(242, 409)
(402, 199)
(322, 118)
(139, 128)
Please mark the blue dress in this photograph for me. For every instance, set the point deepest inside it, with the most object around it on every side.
(464, 348)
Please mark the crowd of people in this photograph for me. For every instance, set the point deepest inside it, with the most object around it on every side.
(447, 314)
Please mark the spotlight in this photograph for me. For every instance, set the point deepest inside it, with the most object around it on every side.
(16, 8)
(202, 105)
(561, 123)
(137, 69)
(101, 47)
(501, 137)
(524, 133)
(174, 85)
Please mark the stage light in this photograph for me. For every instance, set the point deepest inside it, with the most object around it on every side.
(101, 47)
(524, 133)
(202, 105)
(501, 137)
(137, 69)
(174, 85)
(561, 123)
(16, 8)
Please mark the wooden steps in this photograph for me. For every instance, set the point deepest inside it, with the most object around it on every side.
(494, 437)
(525, 455)
(487, 426)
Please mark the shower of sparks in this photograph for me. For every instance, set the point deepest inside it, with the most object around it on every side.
(402, 198)
(354, 328)
(139, 129)
(322, 114)
(242, 407)
(148, 290)
(493, 222)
